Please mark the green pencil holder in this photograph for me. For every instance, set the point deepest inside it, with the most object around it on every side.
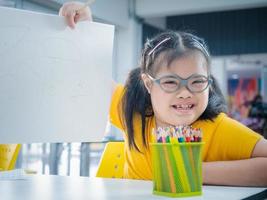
(177, 169)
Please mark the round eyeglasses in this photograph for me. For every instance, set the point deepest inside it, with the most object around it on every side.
(195, 83)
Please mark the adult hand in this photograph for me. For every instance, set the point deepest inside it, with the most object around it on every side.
(75, 12)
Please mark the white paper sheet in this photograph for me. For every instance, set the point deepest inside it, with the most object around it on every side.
(54, 81)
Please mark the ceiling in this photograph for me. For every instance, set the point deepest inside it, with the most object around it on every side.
(163, 8)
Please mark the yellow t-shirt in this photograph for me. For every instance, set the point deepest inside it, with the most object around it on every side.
(224, 138)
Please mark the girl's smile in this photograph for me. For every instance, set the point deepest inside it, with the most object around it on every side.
(183, 107)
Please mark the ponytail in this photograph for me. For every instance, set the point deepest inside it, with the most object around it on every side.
(136, 100)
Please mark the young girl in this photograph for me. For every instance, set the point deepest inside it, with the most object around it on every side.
(173, 86)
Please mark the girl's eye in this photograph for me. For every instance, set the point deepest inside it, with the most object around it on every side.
(199, 81)
(198, 84)
(169, 82)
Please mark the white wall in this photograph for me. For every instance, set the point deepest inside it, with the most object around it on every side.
(128, 49)
(112, 11)
(26, 5)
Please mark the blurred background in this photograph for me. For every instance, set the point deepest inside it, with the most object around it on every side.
(235, 32)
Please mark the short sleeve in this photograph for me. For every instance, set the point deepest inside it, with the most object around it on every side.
(232, 141)
(115, 107)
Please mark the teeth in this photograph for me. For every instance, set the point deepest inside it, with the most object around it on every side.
(184, 106)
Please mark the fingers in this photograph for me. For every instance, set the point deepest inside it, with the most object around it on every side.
(74, 12)
(68, 10)
(77, 18)
(70, 19)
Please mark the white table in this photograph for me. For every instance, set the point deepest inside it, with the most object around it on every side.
(38, 187)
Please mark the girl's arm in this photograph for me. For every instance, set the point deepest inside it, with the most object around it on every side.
(249, 172)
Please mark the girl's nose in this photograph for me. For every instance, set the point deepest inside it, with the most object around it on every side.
(183, 92)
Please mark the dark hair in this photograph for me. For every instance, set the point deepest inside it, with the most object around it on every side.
(166, 46)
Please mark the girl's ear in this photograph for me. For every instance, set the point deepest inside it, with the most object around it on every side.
(147, 82)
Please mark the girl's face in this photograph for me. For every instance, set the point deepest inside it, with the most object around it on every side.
(181, 107)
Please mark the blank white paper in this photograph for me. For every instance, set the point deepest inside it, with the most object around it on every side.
(55, 83)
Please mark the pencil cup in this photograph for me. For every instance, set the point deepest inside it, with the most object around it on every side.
(177, 169)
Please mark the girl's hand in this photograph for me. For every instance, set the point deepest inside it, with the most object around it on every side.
(75, 12)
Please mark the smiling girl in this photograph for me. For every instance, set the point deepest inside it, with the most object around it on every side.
(173, 86)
